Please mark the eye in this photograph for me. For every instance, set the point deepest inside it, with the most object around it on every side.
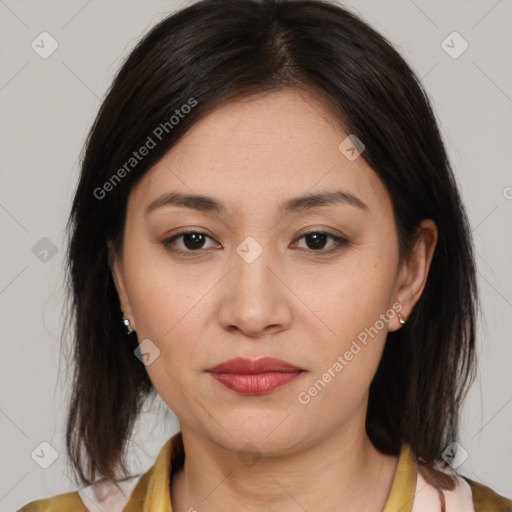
(316, 240)
(192, 241)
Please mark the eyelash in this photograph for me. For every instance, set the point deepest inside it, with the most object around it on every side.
(339, 243)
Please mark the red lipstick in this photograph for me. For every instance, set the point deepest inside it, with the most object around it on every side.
(254, 377)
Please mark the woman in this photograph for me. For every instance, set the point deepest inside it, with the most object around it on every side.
(267, 234)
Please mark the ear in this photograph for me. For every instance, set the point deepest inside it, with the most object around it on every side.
(117, 269)
(414, 270)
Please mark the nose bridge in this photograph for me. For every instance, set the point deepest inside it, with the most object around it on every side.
(251, 275)
(255, 299)
(251, 267)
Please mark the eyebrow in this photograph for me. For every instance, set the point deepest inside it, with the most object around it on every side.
(204, 203)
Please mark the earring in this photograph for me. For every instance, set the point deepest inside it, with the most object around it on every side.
(401, 318)
(126, 322)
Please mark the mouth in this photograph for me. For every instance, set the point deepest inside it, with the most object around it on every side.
(253, 377)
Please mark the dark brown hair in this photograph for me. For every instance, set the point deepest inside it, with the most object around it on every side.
(215, 51)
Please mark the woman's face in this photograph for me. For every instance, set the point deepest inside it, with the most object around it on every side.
(253, 284)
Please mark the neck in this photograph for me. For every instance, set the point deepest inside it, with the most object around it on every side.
(342, 471)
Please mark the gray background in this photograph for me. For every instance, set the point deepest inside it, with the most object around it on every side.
(47, 106)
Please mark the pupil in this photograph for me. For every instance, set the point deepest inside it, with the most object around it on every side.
(192, 240)
(319, 238)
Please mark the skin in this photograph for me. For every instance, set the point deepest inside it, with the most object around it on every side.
(291, 303)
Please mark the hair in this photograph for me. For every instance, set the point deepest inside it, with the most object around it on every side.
(206, 55)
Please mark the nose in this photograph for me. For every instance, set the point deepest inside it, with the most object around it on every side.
(255, 299)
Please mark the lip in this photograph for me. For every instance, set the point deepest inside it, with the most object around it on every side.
(254, 377)
(249, 366)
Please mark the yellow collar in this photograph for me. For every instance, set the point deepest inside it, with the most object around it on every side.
(401, 496)
(152, 490)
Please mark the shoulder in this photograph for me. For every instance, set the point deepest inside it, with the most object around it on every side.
(103, 495)
(465, 495)
(487, 500)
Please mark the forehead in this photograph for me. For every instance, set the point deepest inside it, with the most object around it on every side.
(260, 150)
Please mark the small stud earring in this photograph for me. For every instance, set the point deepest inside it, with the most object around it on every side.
(401, 318)
(126, 322)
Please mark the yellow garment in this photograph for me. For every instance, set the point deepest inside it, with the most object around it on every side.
(151, 492)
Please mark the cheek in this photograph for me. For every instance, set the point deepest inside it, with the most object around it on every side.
(351, 296)
(172, 307)
(169, 314)
(160, 293)
(353, 306)
(172, 318)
